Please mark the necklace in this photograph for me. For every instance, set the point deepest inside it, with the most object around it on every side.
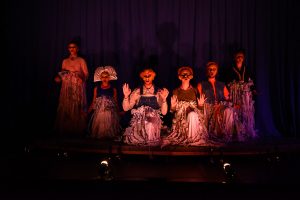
(238, 72)
(148, 89)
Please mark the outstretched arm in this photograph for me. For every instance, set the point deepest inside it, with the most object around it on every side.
(199, 88)
(58, 78)
(129, 98)
(174, 101)
(201, 100)
(163, 94)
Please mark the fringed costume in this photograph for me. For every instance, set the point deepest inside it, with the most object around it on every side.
(104, 122)
(241, 97)
(145, 125)
(188, 126)
(221, 119)
(70, 118)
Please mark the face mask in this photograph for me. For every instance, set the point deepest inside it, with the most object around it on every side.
(185, 75)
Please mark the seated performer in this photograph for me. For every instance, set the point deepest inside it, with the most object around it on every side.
(188, 127)
(221, 118)
(104, 122)
(147, 103)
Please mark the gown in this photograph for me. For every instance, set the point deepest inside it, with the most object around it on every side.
(104, 122)
(188, 125)
(71, 118)
(146, 123)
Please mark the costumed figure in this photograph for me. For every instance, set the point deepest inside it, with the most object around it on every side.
(188, 126)
(71, 111)
(147, 104)
(241, 95)
(104, 122)
(221, 119)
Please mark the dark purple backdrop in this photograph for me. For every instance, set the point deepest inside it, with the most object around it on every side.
(130, 34)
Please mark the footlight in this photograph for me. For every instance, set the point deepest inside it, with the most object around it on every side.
(229, 172)
(105, 170)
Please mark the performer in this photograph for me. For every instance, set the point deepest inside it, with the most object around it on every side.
(147, 104)
(104, 122)
(239, 71)
(188, 126)
(71, 112)
(221, 119)
(241, 89)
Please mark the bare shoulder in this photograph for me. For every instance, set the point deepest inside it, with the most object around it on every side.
(81, 59)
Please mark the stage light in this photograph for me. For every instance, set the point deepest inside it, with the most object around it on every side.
(273, 159)
(226, 167)
(27, 149)
(63, 155)
(105, 170)
(229, 172)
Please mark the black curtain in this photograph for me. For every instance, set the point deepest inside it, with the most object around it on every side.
(130, 34)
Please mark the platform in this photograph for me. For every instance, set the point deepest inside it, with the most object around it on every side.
(85, 145)
(45, 167)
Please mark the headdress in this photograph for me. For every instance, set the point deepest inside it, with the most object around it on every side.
(109, 69)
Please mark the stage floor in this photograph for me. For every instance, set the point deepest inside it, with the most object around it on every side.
(75, 163)
(85, 145)
(81, 152)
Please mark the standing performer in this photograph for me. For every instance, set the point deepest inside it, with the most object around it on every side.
(104, 122)
(241, 94)
(71, 112)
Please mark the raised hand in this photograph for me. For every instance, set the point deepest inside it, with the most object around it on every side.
(164, 93)
(174, 101)
(201, 100)
(126, 90)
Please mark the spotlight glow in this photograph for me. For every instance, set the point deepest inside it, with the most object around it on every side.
(104, 162)
(225, 165)
(105, 170)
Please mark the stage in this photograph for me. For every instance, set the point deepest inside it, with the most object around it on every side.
(158, 162)
(67, 164)
(107, 147)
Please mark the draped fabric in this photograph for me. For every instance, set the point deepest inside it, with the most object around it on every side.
(165, 34)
